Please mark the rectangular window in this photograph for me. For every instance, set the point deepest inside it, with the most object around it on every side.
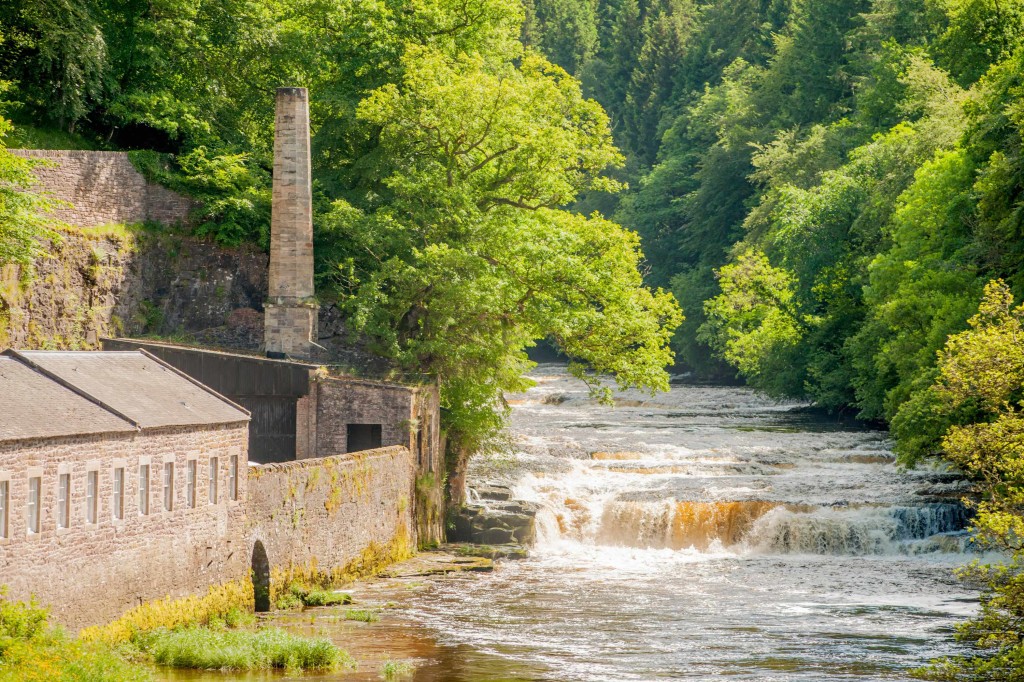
(363, 437)
(233, 478)
(213, 480)
(190, 484)
(118, 501)
(168, 486)
(5, 503)
(143, 489)
(64, 500)
(92, 484)
(35, 490)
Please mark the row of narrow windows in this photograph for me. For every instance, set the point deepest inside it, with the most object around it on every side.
(34, 501)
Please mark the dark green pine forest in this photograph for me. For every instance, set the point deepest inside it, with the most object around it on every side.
(831, 190)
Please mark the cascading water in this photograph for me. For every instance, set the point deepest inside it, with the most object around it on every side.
(709, 532)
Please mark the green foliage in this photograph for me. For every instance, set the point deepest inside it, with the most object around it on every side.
(19, 621)
(23, 222)
(299, 595)
(27, 136)
(263, 649)
(980, 387)
(219, 604)
(755, 322)
(362, 615)
(233, 193)
(56, 51)
(445, 274)
(397, 670)
(287, 601)
(32, 651)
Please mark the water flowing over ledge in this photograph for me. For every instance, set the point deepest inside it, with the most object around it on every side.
(709, 532)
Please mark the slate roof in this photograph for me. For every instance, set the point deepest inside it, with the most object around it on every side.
(48, 395)
(34, 406)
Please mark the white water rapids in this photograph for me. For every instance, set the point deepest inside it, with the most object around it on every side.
(706, 533)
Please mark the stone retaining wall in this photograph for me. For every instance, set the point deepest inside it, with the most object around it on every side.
(322, 516)
(94, 285)
(104, 188)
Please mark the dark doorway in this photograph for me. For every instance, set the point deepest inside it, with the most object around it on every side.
(363, 437)
(271, 428)
(261, 577)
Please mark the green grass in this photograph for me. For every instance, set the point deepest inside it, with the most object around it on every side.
(396, 670)
(362, 615)
(32, 651)
(206, 649)
(325, 598)
(298, 596)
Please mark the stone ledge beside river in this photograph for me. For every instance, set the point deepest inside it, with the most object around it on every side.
(494, 519)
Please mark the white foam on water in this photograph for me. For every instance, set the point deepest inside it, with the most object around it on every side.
(717, 535)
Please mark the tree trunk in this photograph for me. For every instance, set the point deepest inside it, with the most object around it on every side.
(458, 460)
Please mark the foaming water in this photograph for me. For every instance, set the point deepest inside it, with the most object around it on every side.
(709, 532)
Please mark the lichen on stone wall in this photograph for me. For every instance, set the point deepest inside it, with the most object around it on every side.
(374, 558)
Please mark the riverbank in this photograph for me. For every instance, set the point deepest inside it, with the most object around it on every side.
(379, 629)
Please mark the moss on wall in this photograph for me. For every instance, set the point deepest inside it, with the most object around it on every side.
(374, 558)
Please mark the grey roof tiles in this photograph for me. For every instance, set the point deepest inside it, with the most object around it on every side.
(58, 393)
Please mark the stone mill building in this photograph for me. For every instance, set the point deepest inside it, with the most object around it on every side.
(153, 469)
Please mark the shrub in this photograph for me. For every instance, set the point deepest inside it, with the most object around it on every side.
(233, 191)
(31, 651)
(312, 596)
(218, 602)
(19, 621)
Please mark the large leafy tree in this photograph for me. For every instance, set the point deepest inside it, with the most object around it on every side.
(24, 223)
(466, 258)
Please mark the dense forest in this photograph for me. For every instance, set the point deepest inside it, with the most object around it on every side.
(832, 190)
(825, 186)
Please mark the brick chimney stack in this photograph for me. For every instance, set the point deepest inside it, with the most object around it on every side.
(291, 309)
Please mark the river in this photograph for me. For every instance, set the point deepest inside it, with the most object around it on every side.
(711, 532)
(702, 533)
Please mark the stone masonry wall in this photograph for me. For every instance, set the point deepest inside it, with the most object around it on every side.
(323, 514)
(341, 402)
(409, 417)
(90, 574)
(104, 188)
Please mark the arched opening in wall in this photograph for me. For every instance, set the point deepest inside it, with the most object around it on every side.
(261, 577)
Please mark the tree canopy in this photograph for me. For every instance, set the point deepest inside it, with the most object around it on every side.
(448, 158)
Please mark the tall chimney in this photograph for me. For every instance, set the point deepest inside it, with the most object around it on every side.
(291, 309)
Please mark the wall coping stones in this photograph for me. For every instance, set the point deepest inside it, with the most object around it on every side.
(300, 464)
